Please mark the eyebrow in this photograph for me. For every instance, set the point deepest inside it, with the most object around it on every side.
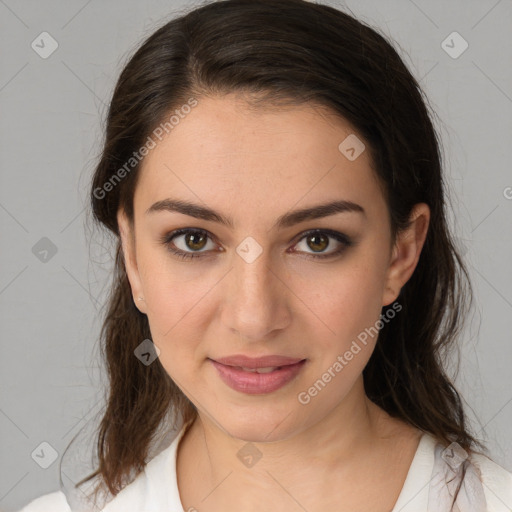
(286, 220)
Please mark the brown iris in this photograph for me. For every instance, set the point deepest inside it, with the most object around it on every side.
(321, 240)
(191, 240)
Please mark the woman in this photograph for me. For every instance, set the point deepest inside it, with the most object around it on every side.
(286, 283)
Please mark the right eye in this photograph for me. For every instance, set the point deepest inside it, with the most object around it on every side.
(190, 239)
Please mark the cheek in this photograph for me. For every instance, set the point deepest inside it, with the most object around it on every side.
(343, 299)
(173, 290)
(358, 301)
(175, 309)
(349, 311)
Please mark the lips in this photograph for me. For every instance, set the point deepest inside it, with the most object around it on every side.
(257, 375)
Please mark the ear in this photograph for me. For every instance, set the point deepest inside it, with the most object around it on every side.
(406, 253)
(130, 261)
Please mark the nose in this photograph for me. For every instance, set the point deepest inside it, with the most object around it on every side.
(256, 299)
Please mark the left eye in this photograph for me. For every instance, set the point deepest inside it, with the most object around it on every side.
(196, 239)
(320, 239)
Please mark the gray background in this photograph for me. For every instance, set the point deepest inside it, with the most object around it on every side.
(51, 120)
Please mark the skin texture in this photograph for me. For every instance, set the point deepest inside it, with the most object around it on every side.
(254, 166)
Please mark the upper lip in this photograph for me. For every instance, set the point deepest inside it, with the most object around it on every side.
(257, 362)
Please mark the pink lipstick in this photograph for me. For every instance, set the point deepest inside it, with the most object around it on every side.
(257, 375)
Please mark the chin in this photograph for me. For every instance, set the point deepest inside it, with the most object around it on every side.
(260, 426)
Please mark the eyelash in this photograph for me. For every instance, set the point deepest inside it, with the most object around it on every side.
(340, 237)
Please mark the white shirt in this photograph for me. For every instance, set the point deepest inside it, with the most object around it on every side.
(428, 487)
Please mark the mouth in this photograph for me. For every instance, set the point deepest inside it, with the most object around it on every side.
(257, 379)
(267, 369)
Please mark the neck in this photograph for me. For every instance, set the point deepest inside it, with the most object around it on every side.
(347, 434)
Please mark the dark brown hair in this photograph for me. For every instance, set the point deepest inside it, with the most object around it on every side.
(285, 52)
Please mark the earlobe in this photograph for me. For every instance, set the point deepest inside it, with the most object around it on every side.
(130, 262)
(406, 252)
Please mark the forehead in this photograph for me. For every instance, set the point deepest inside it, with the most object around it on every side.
(224, 153)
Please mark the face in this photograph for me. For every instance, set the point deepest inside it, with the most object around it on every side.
(266, 283)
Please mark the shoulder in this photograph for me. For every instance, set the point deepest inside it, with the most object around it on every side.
(496, 482)
(55, 501)
(442, 476)
(473, 480)
(155, 488)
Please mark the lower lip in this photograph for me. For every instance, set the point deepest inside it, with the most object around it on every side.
(254, 383)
